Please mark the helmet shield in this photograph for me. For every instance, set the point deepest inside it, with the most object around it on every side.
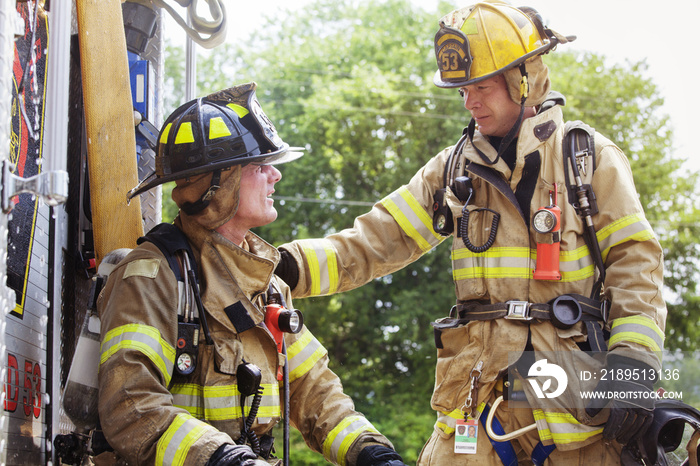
(453, 57)
(215, 132)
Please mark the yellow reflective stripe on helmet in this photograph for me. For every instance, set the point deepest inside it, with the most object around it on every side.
(222, 402)
(303, 354)
(632, 227)
(175, 443)
(164, 134)
(240, 111)
(339, 440)
(563, 428)
(142, 338)
(323, 266)
(184, 133)
(412, 218)
(218, 128)
(636, 329)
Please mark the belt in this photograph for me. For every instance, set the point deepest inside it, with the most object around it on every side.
(590, 309)
(563, 311)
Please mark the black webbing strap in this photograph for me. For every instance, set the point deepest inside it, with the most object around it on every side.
(593, 315)
(474, 310)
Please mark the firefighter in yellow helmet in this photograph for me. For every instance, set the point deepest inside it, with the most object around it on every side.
(550, 283)
(198, 372)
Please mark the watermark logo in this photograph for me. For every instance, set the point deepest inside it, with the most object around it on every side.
(541, 369)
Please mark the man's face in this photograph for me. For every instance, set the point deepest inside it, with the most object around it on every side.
(491, 106)
(255, 207)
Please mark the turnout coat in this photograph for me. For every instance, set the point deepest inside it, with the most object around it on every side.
(399, 229)
(150, 416)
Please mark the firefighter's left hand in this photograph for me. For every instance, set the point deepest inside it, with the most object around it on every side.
(632, 411)
(379, 455)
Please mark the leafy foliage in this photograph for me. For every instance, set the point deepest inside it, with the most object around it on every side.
(353, 85)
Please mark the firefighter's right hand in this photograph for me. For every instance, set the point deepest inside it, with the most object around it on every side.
(632, 402)
(234, 455)
(379, 455)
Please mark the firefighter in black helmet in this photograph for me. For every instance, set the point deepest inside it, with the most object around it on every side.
(217, 405)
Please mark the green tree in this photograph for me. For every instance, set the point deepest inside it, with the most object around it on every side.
(353, 85)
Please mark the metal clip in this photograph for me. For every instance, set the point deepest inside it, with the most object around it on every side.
(518, 310)
(470, 403)
(51, 186)
(581, 160)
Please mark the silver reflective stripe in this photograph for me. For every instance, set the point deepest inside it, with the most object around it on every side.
(563, 428)
(176, 441)
(413, 219)
(303, 354)
(636, 329)
(339, 440)
(494, 263)
(630, 228)
(447, 422)
(143, 338)
(323, 266)
(222, 402)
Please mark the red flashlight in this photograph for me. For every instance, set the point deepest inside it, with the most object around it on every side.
(547, 220)
(279, 321)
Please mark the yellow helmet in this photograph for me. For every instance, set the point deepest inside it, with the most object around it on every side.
(486, 39)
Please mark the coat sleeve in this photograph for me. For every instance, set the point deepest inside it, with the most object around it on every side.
(633, 261)
(324, 415)
(138, 310)
(395, 232)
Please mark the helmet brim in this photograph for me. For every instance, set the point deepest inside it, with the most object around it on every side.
(284, 155)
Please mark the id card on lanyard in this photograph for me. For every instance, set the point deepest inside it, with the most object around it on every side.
(466, 433)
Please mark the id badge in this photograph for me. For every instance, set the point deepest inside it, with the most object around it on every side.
(466, 433)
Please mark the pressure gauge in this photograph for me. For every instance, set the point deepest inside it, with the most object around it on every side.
(185, 363)
(544, 221)
(440, 222)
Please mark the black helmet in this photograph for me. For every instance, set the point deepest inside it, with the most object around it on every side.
(214, 132)
(665, 435)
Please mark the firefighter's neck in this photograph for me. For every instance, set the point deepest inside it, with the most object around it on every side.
(231, 232)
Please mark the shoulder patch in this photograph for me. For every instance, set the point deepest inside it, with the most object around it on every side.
(147, 268)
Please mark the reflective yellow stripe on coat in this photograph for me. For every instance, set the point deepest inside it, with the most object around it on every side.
(222, 402)
(175, 443)
(145, 339)
(323, 266)
(412, 218)
(636, 329)
(303, 354)
(336, 445)
(563, 428)
(447, 422)
(519, 262)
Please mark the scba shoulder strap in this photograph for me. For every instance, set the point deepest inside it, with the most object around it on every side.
(173, 243)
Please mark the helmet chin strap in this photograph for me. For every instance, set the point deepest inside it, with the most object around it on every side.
(508, 138)
(193, 208)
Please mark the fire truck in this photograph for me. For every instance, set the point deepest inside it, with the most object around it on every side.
(80, 101)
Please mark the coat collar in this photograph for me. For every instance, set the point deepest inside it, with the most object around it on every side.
(229, 273)
(534, 132)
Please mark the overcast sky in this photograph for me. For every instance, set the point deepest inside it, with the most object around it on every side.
(663, 33)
